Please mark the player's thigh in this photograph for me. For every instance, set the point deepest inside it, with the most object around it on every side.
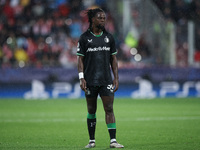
(91, 98)
(107, 96)
(91, 104)
(108, 103)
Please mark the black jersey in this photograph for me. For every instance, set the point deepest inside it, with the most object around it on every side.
(97, 52)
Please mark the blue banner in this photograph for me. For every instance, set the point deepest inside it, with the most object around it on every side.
(141, 88)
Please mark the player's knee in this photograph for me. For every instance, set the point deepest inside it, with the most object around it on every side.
(109, 109)
(91, 110)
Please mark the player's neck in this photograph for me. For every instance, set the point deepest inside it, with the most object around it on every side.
(96, 31)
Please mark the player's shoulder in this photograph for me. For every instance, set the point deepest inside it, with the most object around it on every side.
(107, 33)
(84, 35)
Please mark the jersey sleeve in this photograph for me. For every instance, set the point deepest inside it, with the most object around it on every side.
(113, 46)
(81, 47)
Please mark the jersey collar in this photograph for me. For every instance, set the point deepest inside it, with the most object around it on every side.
(96, 35)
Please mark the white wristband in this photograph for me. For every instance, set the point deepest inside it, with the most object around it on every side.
(81, 75)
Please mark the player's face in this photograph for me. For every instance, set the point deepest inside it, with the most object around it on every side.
(99, 20)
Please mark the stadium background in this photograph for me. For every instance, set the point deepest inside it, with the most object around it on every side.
(157, 41)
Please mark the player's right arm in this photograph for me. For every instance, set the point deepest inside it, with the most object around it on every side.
(81, 73)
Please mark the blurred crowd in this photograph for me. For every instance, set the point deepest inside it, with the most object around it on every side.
(182, 11)
(43, 33)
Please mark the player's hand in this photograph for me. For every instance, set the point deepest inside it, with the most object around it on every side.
(116, 84)
(83, 84)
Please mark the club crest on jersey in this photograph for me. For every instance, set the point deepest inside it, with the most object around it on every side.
(90, 41)
(106, 39)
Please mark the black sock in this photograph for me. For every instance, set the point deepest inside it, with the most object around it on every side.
(91, 123)
(112, 133)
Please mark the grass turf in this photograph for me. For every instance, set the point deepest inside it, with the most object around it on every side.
(167, 124)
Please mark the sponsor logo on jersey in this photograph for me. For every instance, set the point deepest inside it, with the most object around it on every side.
(106, 39)
(98, 49)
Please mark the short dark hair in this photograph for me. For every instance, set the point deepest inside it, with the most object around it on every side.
(92, 13)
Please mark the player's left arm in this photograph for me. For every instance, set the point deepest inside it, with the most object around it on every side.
(114, 66)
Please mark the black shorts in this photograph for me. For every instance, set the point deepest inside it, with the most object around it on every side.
(94, 91)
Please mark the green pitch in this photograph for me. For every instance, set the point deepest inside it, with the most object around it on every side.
(157, 124)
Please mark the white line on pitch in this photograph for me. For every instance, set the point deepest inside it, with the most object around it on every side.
(41, 120)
